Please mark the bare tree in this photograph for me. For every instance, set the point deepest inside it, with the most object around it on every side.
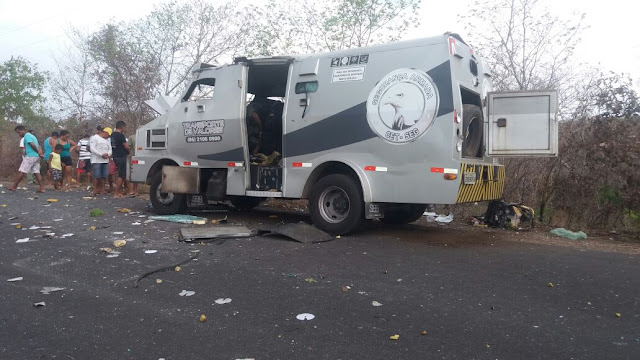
(527, 46)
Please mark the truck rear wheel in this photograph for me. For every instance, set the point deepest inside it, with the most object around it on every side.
(336, 204)
(245, 202)
(472, 129)
(165, 203)
(398, 214)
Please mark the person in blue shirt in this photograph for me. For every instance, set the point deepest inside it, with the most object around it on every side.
(31, 161)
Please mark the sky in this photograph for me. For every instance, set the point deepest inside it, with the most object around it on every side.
(37, 30)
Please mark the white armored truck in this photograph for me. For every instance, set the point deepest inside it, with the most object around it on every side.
(373, 132)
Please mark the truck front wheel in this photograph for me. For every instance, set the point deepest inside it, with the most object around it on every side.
(165, 203)
(398, 214)
(336, 204)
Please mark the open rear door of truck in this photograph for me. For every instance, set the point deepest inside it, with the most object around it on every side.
(522, 124)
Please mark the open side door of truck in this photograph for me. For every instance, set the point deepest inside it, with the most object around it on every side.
(522, 124)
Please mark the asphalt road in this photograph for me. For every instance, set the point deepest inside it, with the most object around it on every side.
(479, 294)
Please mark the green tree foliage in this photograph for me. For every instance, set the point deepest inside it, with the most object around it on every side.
(294, 26)
(21, 89)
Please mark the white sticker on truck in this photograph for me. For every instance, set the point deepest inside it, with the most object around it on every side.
(355, 73)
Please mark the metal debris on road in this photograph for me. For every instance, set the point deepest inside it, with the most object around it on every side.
(39, 304)
(222, 301)
(182, 219)
(305, 316)
(375, 303)
(550, 285)
(106, 249)
(135, 223)
(150, 251)
(618, 315)
(394, 337)
(203, 318)
(15, 279)
(49, 289)
(22, 240)
(52, 200)
(301, 232)
(110, 256)
(187, 293)
(214, 233)
(424, 332)
(66, 235)
(346, 288)
(158, 281)
(118, 233)
(58, 219)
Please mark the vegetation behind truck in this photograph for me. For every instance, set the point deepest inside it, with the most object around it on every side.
(374, 132)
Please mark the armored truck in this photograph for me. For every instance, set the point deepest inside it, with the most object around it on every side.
(376, 132)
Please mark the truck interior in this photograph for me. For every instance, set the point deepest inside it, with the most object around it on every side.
(266, 90)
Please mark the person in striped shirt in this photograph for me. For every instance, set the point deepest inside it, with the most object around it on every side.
(84, 160)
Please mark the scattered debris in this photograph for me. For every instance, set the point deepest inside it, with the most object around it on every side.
(13, 218)
(22, 240)
(187, 293)
(441, 219)
(346, 288)
(214, 233)
(19, 226)
(223, 301)
(182, 219)
(273, 216)
(87, 198)
(119, 243)
(424, 332)
(33, 227)
(310, 280)
(63, 219)
(375, 303)
(148, 221)
(158, 281)
(219, 221)
(39, 304)
(501, 214)
(150, 251)
(66, 235)
(301, 232)
(52, 200)
(96, 213)
(118, 232)
(4, 205)
(550, 285)
(113, 256)
(305, 316)
(124, 210)
(49, 289)
(203, 318)
(394, 337)
(16, 279)
(106, 249)
(135, 223)
(175, 267)
(93, 228)
(569, 234)
(618, 315)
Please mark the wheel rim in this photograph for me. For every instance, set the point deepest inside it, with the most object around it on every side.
(163, 198)
(334, 204)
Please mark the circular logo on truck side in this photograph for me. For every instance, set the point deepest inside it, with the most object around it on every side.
(402, 106)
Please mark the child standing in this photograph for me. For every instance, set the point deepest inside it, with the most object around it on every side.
(55, 164)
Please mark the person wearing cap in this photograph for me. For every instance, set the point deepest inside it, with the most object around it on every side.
(100, 148)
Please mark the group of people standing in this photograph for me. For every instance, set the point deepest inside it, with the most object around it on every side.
(101, 157)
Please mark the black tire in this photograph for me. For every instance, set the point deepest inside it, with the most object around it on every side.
(165, 203)
(243, 203)
(472, 131)
(336, 204)
(398, 214)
